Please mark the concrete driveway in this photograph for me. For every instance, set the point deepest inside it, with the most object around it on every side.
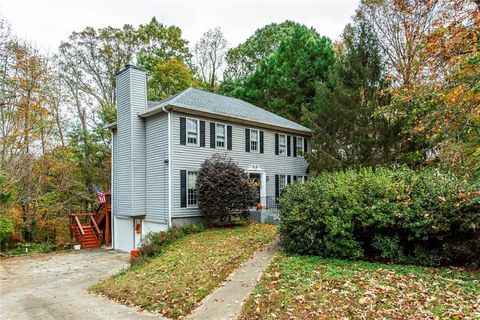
(55, 287)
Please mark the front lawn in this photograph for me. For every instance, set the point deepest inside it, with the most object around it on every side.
(307, 287)
(187, 270)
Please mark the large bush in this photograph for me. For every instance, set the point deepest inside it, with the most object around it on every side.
(224, 190)
(398, 215)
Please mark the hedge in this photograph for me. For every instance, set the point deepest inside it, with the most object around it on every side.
(391, 214)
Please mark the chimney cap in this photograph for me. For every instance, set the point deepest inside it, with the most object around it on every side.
(129, 66)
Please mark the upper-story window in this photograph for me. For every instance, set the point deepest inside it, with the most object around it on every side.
(282, 144)
(220, 133)
(192, 199)
(192, 131)
(254, 140)
(299, 146)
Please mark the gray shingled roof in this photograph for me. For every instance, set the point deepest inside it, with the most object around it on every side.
(212, 102)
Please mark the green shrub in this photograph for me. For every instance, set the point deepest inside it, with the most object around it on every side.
(154, 242)
(426, 217)
(42, 247)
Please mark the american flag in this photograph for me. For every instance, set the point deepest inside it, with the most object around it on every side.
(100, 195)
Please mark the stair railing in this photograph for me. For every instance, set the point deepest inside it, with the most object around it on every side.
(96, 229)
(78, 225)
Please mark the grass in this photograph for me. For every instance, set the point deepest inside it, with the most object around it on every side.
(306, 287)
(187, 270)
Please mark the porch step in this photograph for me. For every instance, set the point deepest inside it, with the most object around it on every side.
(89, 240)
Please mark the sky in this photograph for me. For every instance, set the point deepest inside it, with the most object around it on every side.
(47, 22)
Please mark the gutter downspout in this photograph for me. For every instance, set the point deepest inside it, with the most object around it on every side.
(170, 166)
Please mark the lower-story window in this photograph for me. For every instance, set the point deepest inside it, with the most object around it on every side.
(299, 179)
(192, 200)
(282, 182)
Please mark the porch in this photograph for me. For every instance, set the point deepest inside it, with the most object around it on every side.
(268, 213)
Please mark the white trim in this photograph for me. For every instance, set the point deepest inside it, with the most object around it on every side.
(224, 136)
(250, 140)
(186, 132)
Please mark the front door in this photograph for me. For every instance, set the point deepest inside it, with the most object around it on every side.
(257, 181)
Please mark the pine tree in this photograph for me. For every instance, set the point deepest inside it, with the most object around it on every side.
(351, 129)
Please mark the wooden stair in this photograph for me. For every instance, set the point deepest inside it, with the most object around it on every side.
(90, 229)
(89, 240)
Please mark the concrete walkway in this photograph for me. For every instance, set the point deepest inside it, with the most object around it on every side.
(226, 301)
(54, 286)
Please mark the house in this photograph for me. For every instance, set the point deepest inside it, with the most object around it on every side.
(158, 147)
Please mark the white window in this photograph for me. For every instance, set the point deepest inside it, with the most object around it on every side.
(192, 189)
(254, 140)
(299, 146)
(282, 144)
(220, 136)
(282, 183)
(192, 131)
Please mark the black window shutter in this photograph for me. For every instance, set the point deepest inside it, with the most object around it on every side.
(289, 179)
(183, 188)
(229, 137)
(294, 146)
(247, 140)
(277, 186)
(305, 148)
(261, 141)
(202, 133)
(288, 146)
(276, 144)
(212, 134)
(294, 178)
(183, 131)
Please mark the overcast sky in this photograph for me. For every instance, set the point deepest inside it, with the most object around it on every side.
(47, 22)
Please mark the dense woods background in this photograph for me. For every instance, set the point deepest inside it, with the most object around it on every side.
(400, 87)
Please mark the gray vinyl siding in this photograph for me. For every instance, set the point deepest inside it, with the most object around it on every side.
(157, 168)
(131, 100)
(124, 147)
(191, 157)
(139, 103)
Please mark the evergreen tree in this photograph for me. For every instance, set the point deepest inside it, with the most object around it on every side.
(350, 127)
(285, 82)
